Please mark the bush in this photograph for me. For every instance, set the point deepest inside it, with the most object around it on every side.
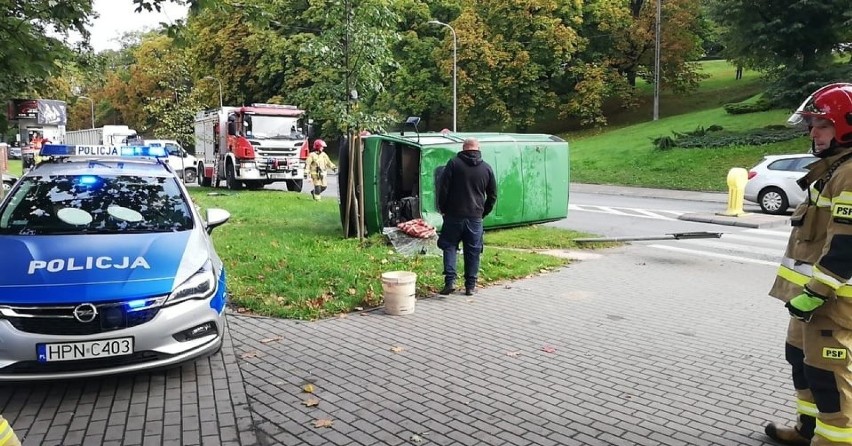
(704, 138)
(741, 108)
(664, 143)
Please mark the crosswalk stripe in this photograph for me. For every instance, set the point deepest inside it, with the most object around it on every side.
(759, 240)
(785, 234)
(715, 254)
(627, 212)
(651, 214)
(769, 252)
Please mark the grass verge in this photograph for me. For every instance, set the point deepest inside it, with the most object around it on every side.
(285, 257)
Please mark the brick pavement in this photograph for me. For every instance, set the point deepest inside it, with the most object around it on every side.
(200, 403)
(651, 348)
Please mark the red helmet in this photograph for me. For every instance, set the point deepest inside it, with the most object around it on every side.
(832, 102)
(319, 145)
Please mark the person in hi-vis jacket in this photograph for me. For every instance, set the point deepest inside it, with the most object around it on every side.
(318, 164)
(814, 278)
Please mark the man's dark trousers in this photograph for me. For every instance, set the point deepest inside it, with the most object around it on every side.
(468, 231)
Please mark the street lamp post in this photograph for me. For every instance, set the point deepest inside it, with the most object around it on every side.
(455, 69)
(220, 87)
(657, 62)
(92, 104)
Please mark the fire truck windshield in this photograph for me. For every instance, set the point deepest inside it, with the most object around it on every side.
(273, 127)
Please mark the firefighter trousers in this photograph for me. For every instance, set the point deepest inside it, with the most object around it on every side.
(818, 352)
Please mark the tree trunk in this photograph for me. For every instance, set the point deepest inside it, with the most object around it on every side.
(631, 77)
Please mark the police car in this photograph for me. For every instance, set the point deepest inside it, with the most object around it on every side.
(106, 267)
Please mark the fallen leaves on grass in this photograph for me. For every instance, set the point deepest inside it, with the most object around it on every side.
(311, 402)
(322, 422)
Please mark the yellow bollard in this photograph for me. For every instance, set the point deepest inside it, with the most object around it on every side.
(737, 178)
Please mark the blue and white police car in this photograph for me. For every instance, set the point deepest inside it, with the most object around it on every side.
(106, 266)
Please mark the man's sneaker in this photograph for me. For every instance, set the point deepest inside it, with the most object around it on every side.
(469, 291)
(447, 290)
(786, 435)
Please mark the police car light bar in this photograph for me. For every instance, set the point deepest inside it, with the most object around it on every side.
(61, 150)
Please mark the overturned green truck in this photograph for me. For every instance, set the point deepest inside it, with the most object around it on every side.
(400, 173)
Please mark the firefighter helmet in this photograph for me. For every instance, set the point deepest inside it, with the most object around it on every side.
(833, 103)
(319, 145)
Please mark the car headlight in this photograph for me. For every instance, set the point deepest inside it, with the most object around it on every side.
(201, 285)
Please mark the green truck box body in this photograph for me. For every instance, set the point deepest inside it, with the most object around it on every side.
(401, 172)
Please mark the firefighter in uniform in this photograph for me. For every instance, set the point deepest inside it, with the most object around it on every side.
(814, 278)
(318, 164)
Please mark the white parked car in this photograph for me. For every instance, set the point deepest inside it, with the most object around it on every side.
(772, 182)
(179, 159)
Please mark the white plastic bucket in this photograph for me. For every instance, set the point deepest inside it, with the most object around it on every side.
(398, 292)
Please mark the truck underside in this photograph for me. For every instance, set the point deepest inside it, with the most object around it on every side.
(399, 183)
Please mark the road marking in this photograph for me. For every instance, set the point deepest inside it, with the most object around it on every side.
(769, 252)
(714, 254)
(627, 212)
(761, 240)
(785, 234)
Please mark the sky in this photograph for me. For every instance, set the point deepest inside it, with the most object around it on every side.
(118, 17)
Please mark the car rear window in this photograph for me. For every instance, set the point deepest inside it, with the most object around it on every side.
(791, 164)
(71, 204)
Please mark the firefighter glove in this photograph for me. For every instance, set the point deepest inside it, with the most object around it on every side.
(802, 307)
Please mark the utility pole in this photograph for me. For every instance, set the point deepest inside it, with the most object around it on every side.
(657, 62)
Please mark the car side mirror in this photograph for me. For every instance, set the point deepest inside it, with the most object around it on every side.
(216, 217)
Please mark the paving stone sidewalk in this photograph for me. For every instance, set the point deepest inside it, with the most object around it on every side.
(637, 347)
(199, 403)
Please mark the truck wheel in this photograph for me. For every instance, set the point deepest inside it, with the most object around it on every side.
(231, 178)
(342, 181)
(294, 185)
(189, 175)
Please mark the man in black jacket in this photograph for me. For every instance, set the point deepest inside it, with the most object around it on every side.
(467, 192)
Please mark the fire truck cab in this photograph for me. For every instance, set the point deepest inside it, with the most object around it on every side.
(251, 146)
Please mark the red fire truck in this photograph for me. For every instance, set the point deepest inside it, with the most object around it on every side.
(251, 146)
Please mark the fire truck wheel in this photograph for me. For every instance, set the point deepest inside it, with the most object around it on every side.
(202, 180)
(294, 185)
(230, 178)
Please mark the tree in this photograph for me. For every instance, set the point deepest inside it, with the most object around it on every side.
(33, 36)
(792, 42)
(506, 70)
(340, 71)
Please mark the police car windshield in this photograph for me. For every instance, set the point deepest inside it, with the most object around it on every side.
(74, 204)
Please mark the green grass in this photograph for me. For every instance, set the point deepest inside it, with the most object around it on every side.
(14, 167)
(626, 156)
(285, 257)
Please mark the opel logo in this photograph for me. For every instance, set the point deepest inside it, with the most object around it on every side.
(85, 313)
